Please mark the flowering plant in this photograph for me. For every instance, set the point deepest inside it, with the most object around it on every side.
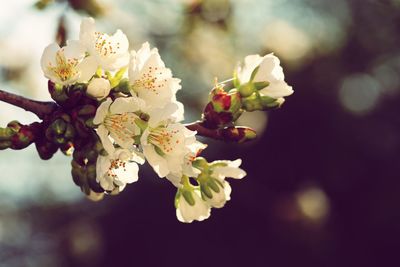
(116, 109)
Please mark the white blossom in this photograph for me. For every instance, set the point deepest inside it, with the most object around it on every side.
(166, 146)
(269, 70)
(227, 168)
(166, 143)
(117, 169)
(66, 65)
(109, 52)
(150, 79)
(98, 88)
(219, 198)
(116, 122)
(186, 212)
(187, 167)
(219, 170)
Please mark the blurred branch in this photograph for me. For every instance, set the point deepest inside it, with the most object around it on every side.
(40, 108)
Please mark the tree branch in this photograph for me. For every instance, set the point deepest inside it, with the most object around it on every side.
(40, 108)
(203, 131)
(238, 134)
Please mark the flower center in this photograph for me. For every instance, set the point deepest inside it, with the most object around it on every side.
(149, 80)
(164, 139)
(104, 46)
(122, 125)
(65, 68)
(115, 165)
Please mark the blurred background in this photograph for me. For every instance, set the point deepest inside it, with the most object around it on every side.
(323, 183)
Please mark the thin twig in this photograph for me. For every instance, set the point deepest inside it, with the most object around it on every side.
(203, 131)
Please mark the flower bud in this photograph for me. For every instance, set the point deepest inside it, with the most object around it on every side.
(18, 136)
(60, 131)
(45, 148)
(99, 88)
(57, 92)
(223, 109)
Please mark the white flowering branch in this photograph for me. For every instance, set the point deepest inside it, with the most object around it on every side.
(116, 109)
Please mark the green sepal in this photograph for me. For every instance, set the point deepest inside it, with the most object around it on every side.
(260, 85)
(269, 102)
(159, 151)
(200, 163)
(212, 183)
(254, 73)
(187, 195)
(58, 126)
(218, 164)
(246, 89)
(99, 72)
(205, 190)
(59, 140)
(117, 77)
(89, 123)
(236, 81)
(177, 198)
(252, 102)
(123, 86)
(141, 124)
(137, 139)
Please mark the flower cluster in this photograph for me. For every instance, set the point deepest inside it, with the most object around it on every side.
(119, 110)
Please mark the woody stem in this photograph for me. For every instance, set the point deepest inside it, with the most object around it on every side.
(40, 108)
(203, 131)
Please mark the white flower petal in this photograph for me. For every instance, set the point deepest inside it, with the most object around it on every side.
(102, 132)
(150, 79)
(160, 115)
(231, 172)
(219, 199)
(87, 31)
(187, 213)
(87, 68)
(49, 56)
(277, 90)
(74, 49)
(102, 111)
(111, 52)
(126, 104)
(269, 70)
(232, 169)
(129, 174)
(157, 162)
